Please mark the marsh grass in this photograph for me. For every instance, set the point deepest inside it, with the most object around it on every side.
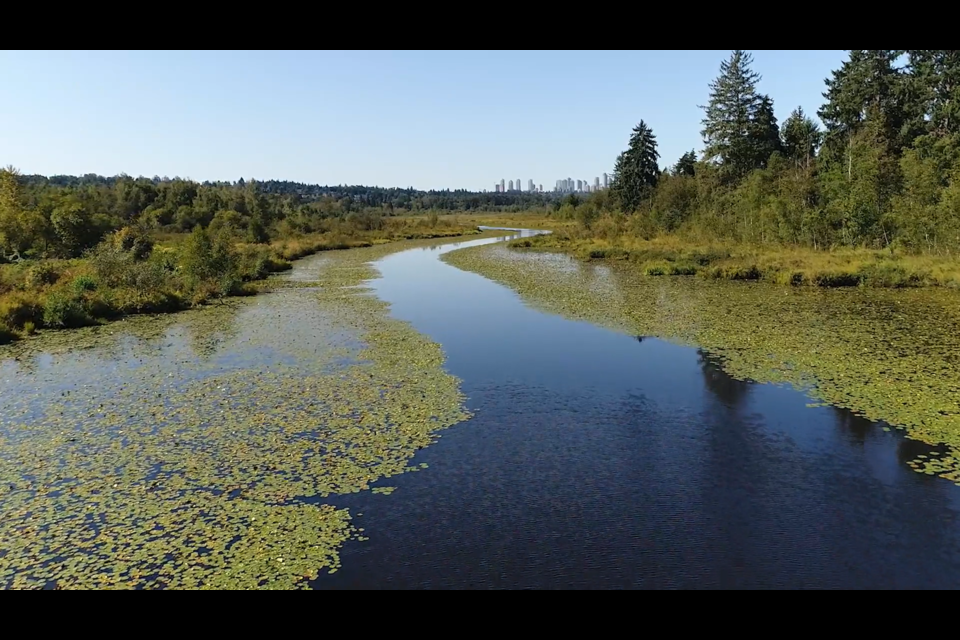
(780, 265)
(130, 273)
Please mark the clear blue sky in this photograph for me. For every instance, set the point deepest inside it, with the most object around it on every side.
(431, 119)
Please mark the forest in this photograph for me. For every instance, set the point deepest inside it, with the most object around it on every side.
(79, 251)
(882, 175)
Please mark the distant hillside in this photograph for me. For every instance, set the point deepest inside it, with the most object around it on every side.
(389, 198)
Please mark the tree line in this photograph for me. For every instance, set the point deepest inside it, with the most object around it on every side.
(63, 216)
(883, 172)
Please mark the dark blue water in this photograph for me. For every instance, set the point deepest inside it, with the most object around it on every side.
(599, 460)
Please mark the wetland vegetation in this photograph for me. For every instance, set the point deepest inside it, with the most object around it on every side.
(871, 200)
(199, 451)
(80, 254)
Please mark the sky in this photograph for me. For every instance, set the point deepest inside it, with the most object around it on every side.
(422, 119)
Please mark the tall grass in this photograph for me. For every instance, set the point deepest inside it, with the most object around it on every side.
(797, 266)
(131, 272)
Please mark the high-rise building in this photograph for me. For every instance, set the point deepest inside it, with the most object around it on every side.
(519, 188)
(596, 184)
(530, 186)
(510, 186)
(503, 185)
(496, 187)
(606, 182)
(541, 189)
(579, 185)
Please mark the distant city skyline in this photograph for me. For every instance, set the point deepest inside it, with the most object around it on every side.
(564, 185)
(162, 112)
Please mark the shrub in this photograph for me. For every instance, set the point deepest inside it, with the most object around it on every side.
(84, 283)
(891, 275)
(63, 310)
(18, 308)
(655, 270)
(40, 275)
(836, 279)
(683, 270)
(132, 241)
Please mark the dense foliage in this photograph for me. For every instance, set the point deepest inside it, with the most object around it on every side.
(885, 172)
(62, 216)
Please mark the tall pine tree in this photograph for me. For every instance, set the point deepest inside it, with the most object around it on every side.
(730, 123)
(637, 170)
(936, 75)
(764, 132)
(801, 138)
(686, 165)
(869, 86)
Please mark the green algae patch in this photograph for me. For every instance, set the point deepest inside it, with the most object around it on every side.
(196, 451)
(891, 355)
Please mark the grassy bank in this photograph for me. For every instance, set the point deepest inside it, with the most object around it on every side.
(796, 266)
(133, 272)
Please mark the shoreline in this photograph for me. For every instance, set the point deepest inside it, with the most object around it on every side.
(261, 282)
(797, 267)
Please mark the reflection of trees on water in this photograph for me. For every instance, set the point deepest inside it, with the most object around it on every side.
(728, 390)
(850, 423)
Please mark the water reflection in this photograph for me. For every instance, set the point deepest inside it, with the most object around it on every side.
(732, 393)
(652, 470)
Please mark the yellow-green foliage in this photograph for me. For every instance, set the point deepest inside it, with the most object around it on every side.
(675, 255)
(131, 272)
(183, 473)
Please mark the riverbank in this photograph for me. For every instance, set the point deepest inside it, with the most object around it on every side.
(888, 355)
(214, 460)
(673, 256)
(132, 273)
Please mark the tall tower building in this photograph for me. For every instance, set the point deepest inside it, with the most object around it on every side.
(519, 188)
(503, 185)
(579, 185)
(596, 184)
(541, 188)
(510, 186)
(606, 182)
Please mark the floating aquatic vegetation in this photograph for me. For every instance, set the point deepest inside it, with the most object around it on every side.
(888, 355)
(183, 452)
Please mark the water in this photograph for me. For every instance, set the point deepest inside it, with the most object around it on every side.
(598, 460)
(594, 460)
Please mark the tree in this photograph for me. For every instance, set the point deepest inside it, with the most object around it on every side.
(637, 170)
(800, 138)
(869, 86)
(936, 79)
(729, 128)
(764, 133)
(686, 165)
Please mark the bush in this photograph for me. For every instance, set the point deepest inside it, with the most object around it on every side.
(655, 270)
(836, 279)
(132, 241)
(6, 334)
(40, 275)
(63, 310)
(891, 275)
(19, 308)
(683, 270)
(84, 283)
